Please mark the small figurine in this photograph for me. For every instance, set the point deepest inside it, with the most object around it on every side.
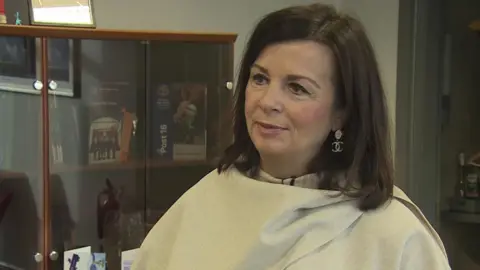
(18, 21)
(108, 206)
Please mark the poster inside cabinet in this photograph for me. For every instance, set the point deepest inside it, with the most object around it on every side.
(106, 120)
(178, 121)
(104, 134)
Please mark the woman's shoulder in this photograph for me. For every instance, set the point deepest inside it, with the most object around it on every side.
(399, 221)
(398, 236)
(214, 176)
(210, 182)
(397, 215)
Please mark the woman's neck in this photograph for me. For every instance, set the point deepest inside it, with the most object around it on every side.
(283, 168)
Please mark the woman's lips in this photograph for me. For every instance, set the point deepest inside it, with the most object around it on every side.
(269, 129)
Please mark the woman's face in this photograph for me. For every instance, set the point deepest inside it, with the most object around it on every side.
(289, 104)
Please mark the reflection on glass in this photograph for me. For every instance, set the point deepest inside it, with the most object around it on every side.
(60, 59)
(21, 198)
(96, 152)
(14, 51)
(17, 64)
(61, 66)
(186, 101)
(105, 185)
(105, 181)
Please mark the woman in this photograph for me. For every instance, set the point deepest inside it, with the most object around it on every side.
(307, 182)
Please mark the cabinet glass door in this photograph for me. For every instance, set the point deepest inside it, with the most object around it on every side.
(188, 117)
(21, 185)
(97, 149)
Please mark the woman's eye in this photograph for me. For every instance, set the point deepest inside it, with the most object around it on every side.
(259, 79)
(297, 89)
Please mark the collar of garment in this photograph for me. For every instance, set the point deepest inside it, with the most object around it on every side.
(304, 181)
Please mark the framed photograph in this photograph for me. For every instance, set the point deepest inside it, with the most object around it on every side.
(15, 56)
(17, 64)
(71, 13)
(61, 64)
(20, 65)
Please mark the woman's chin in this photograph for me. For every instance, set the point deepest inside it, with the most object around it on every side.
(271, 150)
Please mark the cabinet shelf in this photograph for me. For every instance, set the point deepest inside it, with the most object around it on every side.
(104, 34)
(459, 217)
(129, 165)
(12, 175)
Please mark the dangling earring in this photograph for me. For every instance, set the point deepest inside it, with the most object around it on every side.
(337, 145)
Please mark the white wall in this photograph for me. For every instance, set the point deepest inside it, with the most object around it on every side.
(380, 18)
(235, 16)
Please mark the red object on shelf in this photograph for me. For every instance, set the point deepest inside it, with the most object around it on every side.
(5, 199)
(2, 7)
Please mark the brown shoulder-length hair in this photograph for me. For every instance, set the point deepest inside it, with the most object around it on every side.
(366, 161)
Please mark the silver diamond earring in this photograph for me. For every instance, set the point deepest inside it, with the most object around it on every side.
(337, 145)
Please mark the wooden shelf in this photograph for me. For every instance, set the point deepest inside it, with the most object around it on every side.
(460, 217)
(475, 25)
(94, 33)
(62, 168)
(12, 175)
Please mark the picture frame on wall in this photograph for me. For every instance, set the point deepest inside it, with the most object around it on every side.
(20, 65)
(15, 56)
(17, 64)
(61, 63)
(69, 13)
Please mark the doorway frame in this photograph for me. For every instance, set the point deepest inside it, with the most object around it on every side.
(418, 103)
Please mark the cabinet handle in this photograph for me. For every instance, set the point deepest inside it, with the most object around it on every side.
(38, 85)
(38, 257)
(229, 85)
(52, 85)
(53, 255)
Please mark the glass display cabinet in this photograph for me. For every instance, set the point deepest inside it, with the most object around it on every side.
(101, 131)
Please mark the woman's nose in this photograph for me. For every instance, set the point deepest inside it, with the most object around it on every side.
(271, 100)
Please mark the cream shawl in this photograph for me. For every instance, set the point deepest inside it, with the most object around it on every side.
(231, 222)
